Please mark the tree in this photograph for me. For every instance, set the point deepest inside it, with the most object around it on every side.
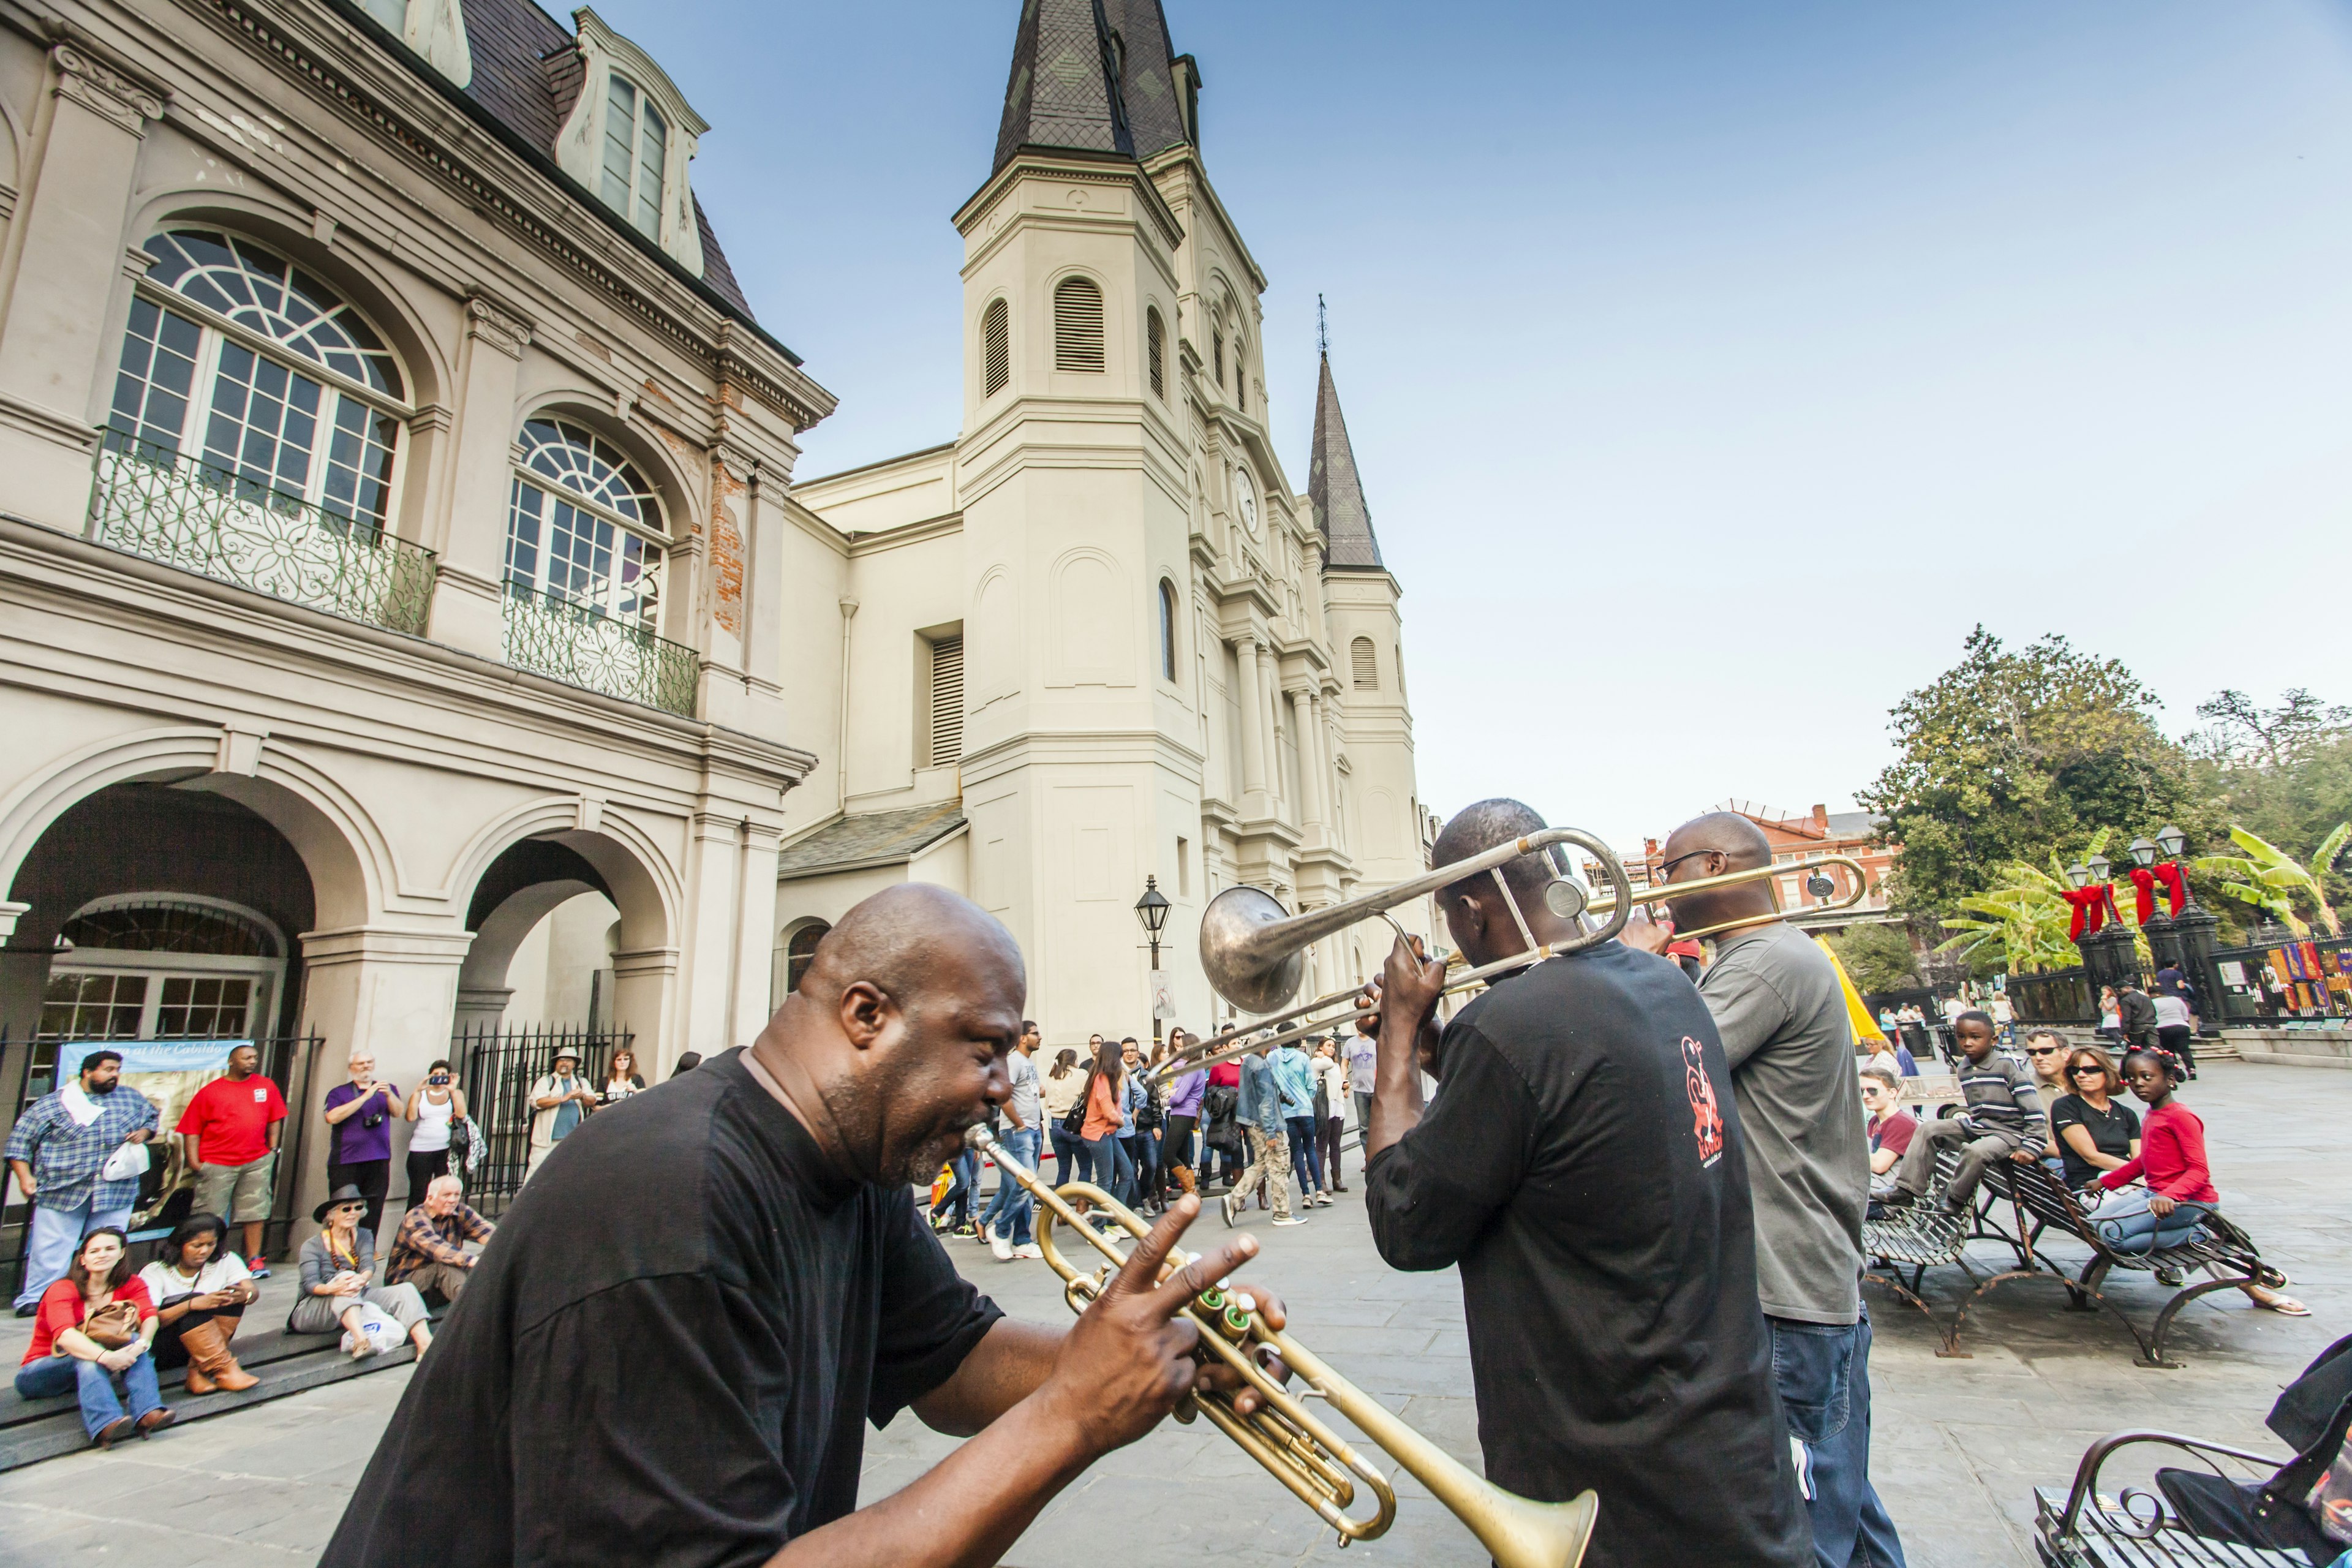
(2269, 879)
(2010, 756)
(2282, 774)
(1876, 958)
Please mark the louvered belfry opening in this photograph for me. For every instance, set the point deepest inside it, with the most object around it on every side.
(996, 347)
(1155, 342)
(947, 701)
(1078, 325)
(1367, 664)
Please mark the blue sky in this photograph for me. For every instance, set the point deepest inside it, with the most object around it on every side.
(1712, 368)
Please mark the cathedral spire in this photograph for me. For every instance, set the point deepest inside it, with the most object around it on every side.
(1332, 486)
(1092, 76)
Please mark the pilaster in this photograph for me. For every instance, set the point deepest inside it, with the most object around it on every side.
(469, 598)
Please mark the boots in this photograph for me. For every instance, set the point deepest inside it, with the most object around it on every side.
(210, 1365)
(1183, 1174)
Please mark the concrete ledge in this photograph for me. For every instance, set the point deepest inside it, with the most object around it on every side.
(2293, 1047)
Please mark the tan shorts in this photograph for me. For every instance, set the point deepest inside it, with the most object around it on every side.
(238, 1194)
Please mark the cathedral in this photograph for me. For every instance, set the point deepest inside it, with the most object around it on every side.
(1098, 640)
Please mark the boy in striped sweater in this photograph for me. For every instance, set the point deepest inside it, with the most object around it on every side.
(2003, 1118)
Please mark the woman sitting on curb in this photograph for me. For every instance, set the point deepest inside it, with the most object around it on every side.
(201, 1291)
(80, 1348)
(2180, 1191)
(338, 1275)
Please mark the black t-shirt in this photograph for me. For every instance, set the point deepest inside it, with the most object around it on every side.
(669, 1350)
(1581, 1161)
(2111, 1131)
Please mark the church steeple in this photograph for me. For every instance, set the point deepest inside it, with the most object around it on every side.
(1333, 487)
(1092, 76)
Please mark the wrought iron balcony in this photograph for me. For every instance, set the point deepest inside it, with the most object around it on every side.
(208, 519)
(584, 646)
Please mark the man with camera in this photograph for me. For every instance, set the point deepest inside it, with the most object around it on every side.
(359, 1134)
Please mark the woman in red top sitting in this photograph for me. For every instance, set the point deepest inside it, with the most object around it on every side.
(64, 1360)
(2180, 1186)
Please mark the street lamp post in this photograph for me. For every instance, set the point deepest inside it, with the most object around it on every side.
(2108, 958)
(2195, 935)
(1151, 910)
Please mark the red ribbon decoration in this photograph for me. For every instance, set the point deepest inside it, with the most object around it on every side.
(2090, 906)
(2143, 881)
(2176, 886)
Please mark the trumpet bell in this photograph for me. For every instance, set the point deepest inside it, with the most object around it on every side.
(1237, 967)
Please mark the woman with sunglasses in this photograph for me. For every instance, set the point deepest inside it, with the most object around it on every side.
(2093, 1131)
(339, 1277)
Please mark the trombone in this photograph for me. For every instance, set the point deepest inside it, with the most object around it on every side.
(1302, 1453)
(1254, 953)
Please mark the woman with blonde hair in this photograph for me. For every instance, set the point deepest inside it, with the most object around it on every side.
(2091, 1128)
(1058, 1087)
(339, 1280)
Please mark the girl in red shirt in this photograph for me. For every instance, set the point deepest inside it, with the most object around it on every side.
(64, 1360)
(2180, 1185)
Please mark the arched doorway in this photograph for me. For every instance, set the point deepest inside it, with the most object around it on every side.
(800, 951)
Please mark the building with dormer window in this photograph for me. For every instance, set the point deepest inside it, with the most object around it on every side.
(1099, 636)
(393, 593)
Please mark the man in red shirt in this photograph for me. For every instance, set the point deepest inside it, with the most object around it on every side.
(231, 1130)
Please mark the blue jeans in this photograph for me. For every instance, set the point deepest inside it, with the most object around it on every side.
(1823, 1370)
(1069, 1157)
(55, 1233)
(1113, 1172)
(961, 1195)
(2125, 1222)
(1306, 1157)
(100, 1408)
(1014, 1203)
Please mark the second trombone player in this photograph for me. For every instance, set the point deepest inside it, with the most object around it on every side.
(1581, 1162)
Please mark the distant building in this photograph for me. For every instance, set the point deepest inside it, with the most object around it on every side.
(1795, 840)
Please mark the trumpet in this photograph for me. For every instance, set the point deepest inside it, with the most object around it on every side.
(1304, 1455)
(1255, 954)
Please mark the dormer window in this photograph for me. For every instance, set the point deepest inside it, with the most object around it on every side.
(636, 146)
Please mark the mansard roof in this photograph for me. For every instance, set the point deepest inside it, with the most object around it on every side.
(1091, 75)
(1335, 489)
(526, 78)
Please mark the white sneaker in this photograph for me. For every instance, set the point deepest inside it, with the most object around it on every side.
(1290, 1219)
(1000, 1245)
(1029, 1249)
(1228, 1203)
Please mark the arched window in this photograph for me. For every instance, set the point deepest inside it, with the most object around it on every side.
(1240, 375)
(1367, 664)
(583, 525)
(257, 377)
(636, 144)
(1078, 325)
(1217, 353)
(1167, 629)
(800, 951)
(1155, 348)
(996, 347)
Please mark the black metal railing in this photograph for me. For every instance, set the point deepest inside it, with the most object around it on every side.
(2286, 980)
(498, 1064)
(164, 1196)
(211, 520)
(581, 646)
(2055, 996)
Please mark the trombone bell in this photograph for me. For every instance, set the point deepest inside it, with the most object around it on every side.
(1232, 918)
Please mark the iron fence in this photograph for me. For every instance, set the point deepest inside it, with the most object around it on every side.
(498, 1066)
(287, 1060)
(2055, 996)
(221, 524)
(2286, 980)
(581, 646)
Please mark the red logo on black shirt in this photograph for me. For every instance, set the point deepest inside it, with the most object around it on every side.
(1707, 1121)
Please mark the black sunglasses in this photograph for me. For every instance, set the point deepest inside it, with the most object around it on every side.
(2043, 1051)
(2077, 1071)
(1667, 865)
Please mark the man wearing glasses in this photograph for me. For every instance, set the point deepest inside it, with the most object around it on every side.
(1788, 1039)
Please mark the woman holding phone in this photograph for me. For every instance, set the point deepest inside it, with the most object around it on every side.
(437, 1102)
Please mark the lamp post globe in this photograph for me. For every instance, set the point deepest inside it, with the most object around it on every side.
(2143, 852)
(2171, 840)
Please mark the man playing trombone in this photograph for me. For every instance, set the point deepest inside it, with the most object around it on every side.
(1582, 1162)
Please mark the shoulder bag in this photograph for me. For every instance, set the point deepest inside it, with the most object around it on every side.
(114, 1325)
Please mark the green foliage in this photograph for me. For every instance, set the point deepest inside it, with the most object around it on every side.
(2272, 880)
(2010, 756)
(1876, 958)
(2022, 920)
(2282, 774)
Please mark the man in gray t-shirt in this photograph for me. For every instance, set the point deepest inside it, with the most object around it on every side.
(1786, 1032)
(1006, 1225)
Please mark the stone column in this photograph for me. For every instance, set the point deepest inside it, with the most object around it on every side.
(1268, 684)
(755, 934)
(392, 992)
(714, 882)
(644, 990)
(59, 325)
(1253, 795)
(471, 538)
(1310, 779)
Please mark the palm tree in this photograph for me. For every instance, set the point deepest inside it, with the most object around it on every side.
(2269, 879)
(2023, 915)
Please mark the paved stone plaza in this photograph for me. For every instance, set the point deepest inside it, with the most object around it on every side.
(1959, 1443)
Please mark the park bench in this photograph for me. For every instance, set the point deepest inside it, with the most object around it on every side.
(2040, 1205)
(2082, 1527)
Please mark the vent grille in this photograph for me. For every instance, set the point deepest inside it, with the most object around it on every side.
(1155, 338)
(996, 340)
(947, 701)
(1367, 664)
(1078, 325)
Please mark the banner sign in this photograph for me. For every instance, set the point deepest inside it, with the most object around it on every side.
(148, 1055)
